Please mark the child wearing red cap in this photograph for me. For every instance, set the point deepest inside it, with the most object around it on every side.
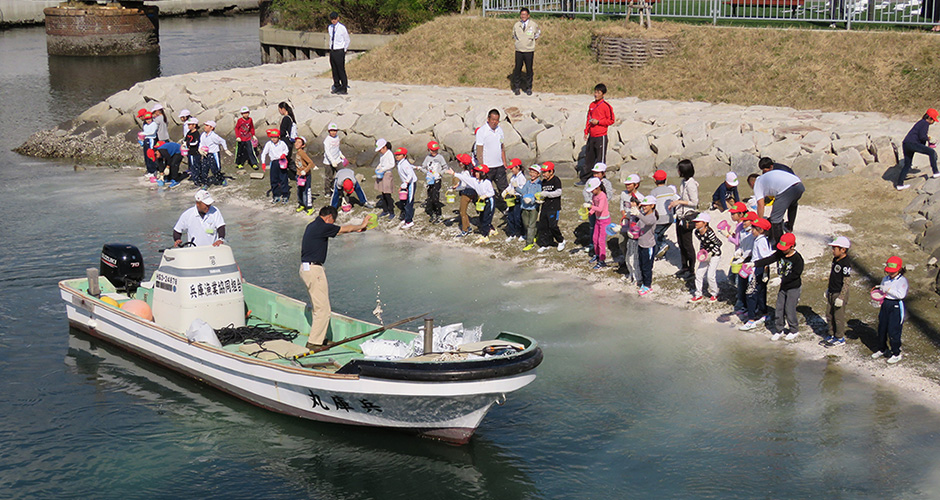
(757, 280)
(433, 165)
(891, 316)
(467, 194)
(790, 269)
(485, 192)
(274, 152)
(150, 138)
(743, 242)
(406, 173)
(664, 196)
(550, 233)
(917, 141)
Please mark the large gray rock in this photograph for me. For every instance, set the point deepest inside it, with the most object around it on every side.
(694, 131)
(554, 147)
(642, 167)
(528, 129)
(126, 101)
(732, 143)
(427, 121)
(784, 151)
(549, 116)
(709, 166)
(931, 239)
(100, 113)
(849, 158)
(807, 166)
(883, 149)
(453, 125)
(376, 125)
(120, 124)
(627, 130)
(855, 141)
(915, 205)
(696, 149)
(816, 140)
(666, 146)
(408, 114)
(932, 186)
(744, 164)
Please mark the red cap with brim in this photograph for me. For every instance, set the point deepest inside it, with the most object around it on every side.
(659, 175)
(273, 132)
(763, 224)
(348, 185)
(464, 158)
(932, 113)
(150, 155)
(739, 208)
(750, 217)
(401, 151)
(434, 146)
(786, 242)
(482, 168)
(894, 264)
(515, 162)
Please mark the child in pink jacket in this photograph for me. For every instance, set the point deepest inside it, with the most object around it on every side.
(601, 211)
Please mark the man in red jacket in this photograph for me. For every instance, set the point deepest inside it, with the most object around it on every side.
(600, 116)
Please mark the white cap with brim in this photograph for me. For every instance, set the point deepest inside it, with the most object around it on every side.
(381, 143)
(592, 184)
(156, 107)
(204, 196)
(631, 179)
(702, 217)
(731, 179)
(185, 112)
(648, 200)
(841, 241)
(192, 121)
(244, 110)
(210, 123)
(332, 126)
(599, 167)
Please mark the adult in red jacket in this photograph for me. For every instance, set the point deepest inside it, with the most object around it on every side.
(600, 116)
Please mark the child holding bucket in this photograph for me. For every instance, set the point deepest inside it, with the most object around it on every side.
(757, 276)
(433, 165)
(406, 173)
(191, 143)
(246, 141)
(893, 291)
(647, 219)
(275, 152)
(708, 256)
(530, 209)
(837, 293)
(333, 158)
(511, 196)
(304, 179)
(485, 196)
(790, 269)
(383, 177)
(600, 209)
(743, 241)
(630, 198)
(210, 143)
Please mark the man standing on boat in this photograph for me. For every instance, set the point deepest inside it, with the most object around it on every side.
(312, 256)
(203, 224)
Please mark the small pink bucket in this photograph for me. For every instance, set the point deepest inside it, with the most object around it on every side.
(346, 207)
(702, 255)
(746, 270)
(301, 180)
(877, 297)
(723, 226)
(403, 195)
(283, 162)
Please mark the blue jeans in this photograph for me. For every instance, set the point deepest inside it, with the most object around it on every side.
(909, 149)
(660, 234)
(338, 193)
(646, 266)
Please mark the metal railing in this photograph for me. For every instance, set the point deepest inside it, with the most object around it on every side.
(843, 12)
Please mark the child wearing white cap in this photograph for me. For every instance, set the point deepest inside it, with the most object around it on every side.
(600, 209)
(209, 145)
(530, 209)
(245, 140)
(708, 257)
(837, 293)
(727, 193)
(629, 201)
(599, 172)
(160, 119)
(383, 177)
(646, 228)
(191, 143)
(333, 158)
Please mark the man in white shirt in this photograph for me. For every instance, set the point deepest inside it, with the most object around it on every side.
(339, 43)
(492, 153)
(203, 223)
(786, 189)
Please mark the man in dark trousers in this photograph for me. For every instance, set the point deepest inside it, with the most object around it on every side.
(600, 116)
(312, 255)
(339, 43)
(524, 34)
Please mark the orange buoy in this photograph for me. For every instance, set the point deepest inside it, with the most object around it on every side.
(138, 307)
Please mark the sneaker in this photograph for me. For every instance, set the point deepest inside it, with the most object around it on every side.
(696, 298)
(600, 265)
(309, 211)
(593, 260)
(894, 359)
(712, 298)
(254, 167)
(300, 208)
(877, 354)
(760, 319)
(826, 340)
(836, 342)
(528, 247)
(777, 336)
(579, 183)
(462, 234)
(274, 200)
(239, 166)
(792, 335)
(160, 183)
(515, 91)
(482, 240)
(542, 249)
(509, 239)
(747, 326)
(662, 252)
(902, 187)
(934, 176)
(493, 232)
(173, 184)
(406, 225)
(644, 290)
(561, 246)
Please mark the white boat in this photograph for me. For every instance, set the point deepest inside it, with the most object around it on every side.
(442, 395)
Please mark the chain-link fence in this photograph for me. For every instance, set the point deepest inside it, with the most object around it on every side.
(843, 12)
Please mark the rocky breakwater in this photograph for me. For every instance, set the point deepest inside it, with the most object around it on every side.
(647, 134)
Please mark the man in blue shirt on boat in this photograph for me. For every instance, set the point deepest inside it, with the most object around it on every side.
(313, 250)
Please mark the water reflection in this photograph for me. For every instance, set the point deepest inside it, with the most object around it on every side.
(106, 75)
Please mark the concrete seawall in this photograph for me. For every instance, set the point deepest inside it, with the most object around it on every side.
(647, 135)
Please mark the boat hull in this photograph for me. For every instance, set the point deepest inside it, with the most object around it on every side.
(449, 411)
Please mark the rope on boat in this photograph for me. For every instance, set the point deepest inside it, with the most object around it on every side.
(258, 333)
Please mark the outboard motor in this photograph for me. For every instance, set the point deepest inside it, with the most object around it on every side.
(123, 265)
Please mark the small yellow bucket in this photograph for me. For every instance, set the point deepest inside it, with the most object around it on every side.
(510, 201)
(450, 197)
(735, 268)
(583, 212)
(480, 205)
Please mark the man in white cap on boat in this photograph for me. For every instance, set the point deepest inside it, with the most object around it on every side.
(313, 249)
(203, 223)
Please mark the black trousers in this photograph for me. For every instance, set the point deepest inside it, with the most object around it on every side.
(686, 248)
(498, 176)
(520, 80)
(338, 65)
(594, 151)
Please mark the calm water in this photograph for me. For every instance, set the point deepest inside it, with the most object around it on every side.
(633, 401)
